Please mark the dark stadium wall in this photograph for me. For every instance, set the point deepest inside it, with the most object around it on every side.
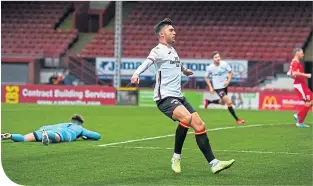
(91, 60)
(93, 22)
(308, 58)
(308, 49)
(20, 70)
(109, 12)
(80, 17)
(15, 73)
(308, 54)
(308, 65)
(86, 19)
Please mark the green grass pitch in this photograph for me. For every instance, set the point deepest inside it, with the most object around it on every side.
(274, 153)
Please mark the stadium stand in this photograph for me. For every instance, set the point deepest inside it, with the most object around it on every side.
(259, 31)
(282, 81)
(28, 29)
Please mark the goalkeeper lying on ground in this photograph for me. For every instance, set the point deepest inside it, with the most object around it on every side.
(61, 132)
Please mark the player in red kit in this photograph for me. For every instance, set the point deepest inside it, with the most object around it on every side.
(296, 71)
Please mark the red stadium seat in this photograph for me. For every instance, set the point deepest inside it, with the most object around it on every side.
(252, 37)
(29, 25)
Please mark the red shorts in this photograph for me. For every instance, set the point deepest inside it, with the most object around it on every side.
(303, 92)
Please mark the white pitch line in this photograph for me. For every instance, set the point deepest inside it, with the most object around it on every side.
(171, 135)
(136, 140)
(236, 151)
(264, 152)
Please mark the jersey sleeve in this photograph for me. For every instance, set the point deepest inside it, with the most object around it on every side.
(152, 58)
(208, 71)
(144, 66)
(90, 134)
(228, 68)
(183, 68)
(294, 66)
(154, 55)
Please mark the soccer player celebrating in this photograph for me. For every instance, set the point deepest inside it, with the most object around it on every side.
(221, 76)
(296, 71)
(62, 132)
(170, 100)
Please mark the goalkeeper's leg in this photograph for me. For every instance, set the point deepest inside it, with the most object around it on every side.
(19, 137)
(49, 136)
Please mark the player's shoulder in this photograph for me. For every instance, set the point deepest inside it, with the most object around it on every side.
(76, 127)
(210, 66)
(294, 62)
(156, 51)
(224, 63)
(157, 48)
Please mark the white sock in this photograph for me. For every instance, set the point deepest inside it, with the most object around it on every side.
(177, 156)
(214, 162)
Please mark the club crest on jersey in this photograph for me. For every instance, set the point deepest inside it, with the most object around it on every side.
(176, 61)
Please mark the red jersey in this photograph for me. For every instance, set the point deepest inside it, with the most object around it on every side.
(296, 66)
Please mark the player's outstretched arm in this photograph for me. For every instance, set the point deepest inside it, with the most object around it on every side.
(143, 67)
(90, 135)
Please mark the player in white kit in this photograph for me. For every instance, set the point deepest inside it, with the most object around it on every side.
(221, 76)
(170, 100)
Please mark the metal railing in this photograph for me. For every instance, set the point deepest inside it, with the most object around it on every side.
(83, 70)
(259, 72)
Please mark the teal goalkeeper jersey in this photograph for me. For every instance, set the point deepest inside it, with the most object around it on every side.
(75, 130)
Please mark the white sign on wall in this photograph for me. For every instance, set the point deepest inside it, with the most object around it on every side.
(106, 66)
(240, 100)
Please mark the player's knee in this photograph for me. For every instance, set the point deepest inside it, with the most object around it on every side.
(187, 119)
(198, 125)
(229, 104)
(200, 128)
(227, 101)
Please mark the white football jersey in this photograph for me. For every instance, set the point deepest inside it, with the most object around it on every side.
(168, 72)
(219, 74)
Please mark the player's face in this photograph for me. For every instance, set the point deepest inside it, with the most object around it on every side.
(300, 54)
(169, 34)
(217, 59)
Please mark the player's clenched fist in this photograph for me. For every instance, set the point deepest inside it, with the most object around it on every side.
(135, 79)
(188, 72)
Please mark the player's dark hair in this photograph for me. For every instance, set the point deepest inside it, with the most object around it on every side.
(214, 53)
(296, 50)
(161, 24)
(78, 119)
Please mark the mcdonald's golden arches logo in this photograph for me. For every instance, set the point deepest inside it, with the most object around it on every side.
(270, 102)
